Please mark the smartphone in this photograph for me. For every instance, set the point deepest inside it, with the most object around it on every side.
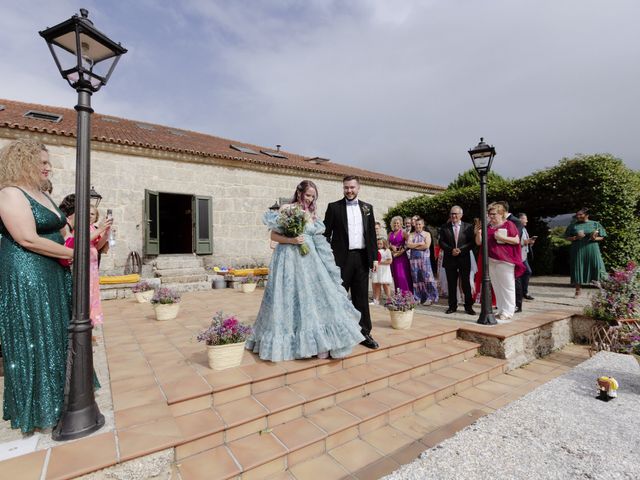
(109, 214)
(534, 237)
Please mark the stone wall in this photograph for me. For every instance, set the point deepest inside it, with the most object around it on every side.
(240, 195)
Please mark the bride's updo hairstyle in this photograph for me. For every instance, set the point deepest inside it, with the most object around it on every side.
(302, 187)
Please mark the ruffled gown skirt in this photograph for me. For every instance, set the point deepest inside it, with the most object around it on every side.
(305, 310)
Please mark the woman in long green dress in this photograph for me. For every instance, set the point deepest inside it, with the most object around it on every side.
(35, 290)
(585, 261)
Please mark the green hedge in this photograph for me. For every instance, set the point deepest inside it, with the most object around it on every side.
(599, 182)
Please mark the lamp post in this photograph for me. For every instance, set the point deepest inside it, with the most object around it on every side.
(482, 157)
(85, 58)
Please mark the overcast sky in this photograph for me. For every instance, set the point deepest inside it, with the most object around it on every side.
(397, 86)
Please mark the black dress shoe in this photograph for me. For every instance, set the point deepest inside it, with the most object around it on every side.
(369, 342)
(518, 310)
(451, 310)
(529, 297)
(469, 311)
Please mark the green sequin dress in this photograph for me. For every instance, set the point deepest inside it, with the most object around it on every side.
(35, 310)
(585, 262)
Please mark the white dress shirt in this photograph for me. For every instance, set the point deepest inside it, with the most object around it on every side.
(355, 226)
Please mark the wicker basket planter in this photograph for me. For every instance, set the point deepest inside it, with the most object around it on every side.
(225, 356)
(606, 336)
(143, 297)
(166, 311)
(401, 320)
(248, 287)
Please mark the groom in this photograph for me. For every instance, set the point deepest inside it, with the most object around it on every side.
(350, 229)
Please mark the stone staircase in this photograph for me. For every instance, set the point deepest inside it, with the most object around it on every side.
(182, 272)
(266, 419)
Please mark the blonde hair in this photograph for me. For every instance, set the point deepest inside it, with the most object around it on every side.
(498, 207)
(92, 208)
(20, 164)
(397, 218)
(385, 242)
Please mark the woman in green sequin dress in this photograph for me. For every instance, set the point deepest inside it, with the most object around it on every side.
(585, 261)
(35, 290)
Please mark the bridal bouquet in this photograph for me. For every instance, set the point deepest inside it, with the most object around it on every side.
(292, 220)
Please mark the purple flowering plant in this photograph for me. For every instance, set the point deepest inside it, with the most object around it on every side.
(165, 296)
(618, 295)
(628, 340)
(224, 330)
(142, 286)
(400, 302)
(248, 279)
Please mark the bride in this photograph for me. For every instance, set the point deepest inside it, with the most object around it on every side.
(305, 310)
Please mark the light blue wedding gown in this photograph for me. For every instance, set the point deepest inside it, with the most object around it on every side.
(305, 310)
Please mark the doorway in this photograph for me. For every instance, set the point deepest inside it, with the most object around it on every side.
(176, 226)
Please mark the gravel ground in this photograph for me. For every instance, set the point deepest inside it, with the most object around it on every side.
(558, 431)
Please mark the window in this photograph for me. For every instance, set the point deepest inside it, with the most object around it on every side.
(273, 154)
(178, 133)
(49, 117)
(145, 126)
(109, 119)
(243, 149)
(1, 107)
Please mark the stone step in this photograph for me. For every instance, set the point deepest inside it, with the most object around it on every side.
(185, 279)
(189, 286)
(175, 272)
(292, 424)
(177, 261)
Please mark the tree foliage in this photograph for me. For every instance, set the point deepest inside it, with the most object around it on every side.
(471, 178)
(599, 182)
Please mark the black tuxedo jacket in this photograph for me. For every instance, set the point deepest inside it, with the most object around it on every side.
(447, 242)
(516, 221)
(335, 221)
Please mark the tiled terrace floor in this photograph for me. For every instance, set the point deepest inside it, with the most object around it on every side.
(162, 387)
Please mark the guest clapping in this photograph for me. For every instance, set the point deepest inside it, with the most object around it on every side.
(425, 288)
(505, 262)
(400, 268)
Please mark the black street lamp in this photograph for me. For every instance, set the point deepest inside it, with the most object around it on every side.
(86, 58)
(95, 197)
(482, 158)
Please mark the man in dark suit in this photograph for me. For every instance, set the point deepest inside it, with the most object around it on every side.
(350, 229)
(456, 241)
(516, 221)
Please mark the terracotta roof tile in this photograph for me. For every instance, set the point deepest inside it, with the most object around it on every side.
(110, 129)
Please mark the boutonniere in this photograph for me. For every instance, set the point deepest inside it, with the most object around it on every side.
(366, 210)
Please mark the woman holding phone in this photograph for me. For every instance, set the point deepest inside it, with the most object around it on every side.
(585, 260)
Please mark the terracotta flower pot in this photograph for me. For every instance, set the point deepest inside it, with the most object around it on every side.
(225, 356)
(166, 311)
(144, 297)
(248, 287)
(401, 320)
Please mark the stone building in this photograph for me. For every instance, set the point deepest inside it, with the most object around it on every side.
(174, 191)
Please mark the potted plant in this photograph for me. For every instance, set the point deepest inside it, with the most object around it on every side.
(248, 284)
(401, 307)
(225, 339)
(616, 303)
(143, 291)
(166, 303)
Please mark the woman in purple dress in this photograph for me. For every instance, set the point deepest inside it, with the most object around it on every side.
(400, 268)
(425, 289)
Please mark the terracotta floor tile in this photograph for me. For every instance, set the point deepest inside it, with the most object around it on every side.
(367, 372)
(414, 388)
(312, 389)
(83, 456)
(256, 450)
(217, 463)
(198, 424)
(136, 398)
(391, 365)
(364, 408)
(355, 455)
(298, 433)
(471, 366)
(387, 439)
(491, 386)
(459, 404)
(143, 414)
(435, 380)
(151, 437)
(376, 470)
(134, 383)
(479, 396)
(415, 426)
(333, 419)
(537, 367)
(509, 380)
(414, 358)
(437, 416)
(279, 399)
(225, 379)
(25, 466)
(241, 411)
(186, 388)
(525, 374)
(453, 372)
(263, 371)
(392, 397)
(447, 431)
(282, 476)
(342, 380)
(331, 470)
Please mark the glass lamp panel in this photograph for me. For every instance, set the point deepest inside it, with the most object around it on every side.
(93, 50)
(66, 58)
